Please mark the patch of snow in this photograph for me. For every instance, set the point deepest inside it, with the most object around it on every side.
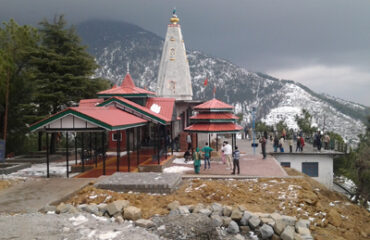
(80, 219)
(181, 161)
(109, 235)
(177, 169)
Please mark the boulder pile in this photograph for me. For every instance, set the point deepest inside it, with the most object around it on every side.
(218, 220)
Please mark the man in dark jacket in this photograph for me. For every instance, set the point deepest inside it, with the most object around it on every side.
(236, 157)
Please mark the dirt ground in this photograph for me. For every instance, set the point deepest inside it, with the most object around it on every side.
(6, 184)
(332, 215)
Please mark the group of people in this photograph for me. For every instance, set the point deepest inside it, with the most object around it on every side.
(205, 153)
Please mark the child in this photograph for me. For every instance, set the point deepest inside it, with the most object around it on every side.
(197, 162)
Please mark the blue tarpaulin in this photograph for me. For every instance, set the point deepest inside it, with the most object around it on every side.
(2, 150)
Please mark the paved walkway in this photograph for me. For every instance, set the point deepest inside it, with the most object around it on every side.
(33, 194)
(250, 164)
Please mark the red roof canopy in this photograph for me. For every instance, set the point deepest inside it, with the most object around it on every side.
(90, 102)
(127, 88)
(213, 104)
(214, 128)
(204, 116)
(167, 106)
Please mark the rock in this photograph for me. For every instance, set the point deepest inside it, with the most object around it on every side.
(244, 229)
(173, 205)
(275, 216)
(119, 219)
(226, 221)
(183, 210)
(268, 221)
(233, 227)
(132, 213)
(205, 211)
(303, 231)
(238, 237)
(266, 231)
(117, 206)
(161, 229)
(246, 216)
(288, 233)
(289, 220)
(262, 215)
(254, 222)
(279, 226)
(216, 207)
(334, 218)
(227, 211)
(145, 223)
(93, 209)
(174, 212)
(198, 207)
(61, 208)
(309, 197)
(302, 223)
(191, 208)
(216, 220)
(72, 209)
(236, 214)
(47, 209)
(275, 237)
(102, 207)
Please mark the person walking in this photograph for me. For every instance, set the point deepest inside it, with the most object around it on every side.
(207, 153)
(290, 144)
(276, 143)
(281, 144)
(188, 140)
(298, 148)
(223, 157)
(301, 139)
(197, 162)
(228, 152)
(236, 157)
(263, 145)
(326, 141)
(318, 141)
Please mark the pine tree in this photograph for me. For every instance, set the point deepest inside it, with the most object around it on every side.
(17, 45)
(64, 70)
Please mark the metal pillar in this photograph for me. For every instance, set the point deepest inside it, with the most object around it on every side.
(96, 149)
(209, 139)
(103, 150)
(40, 141)
(137, 147)
(67, 155)
(76, 148)
(158, 146)
(232, 142)
(83, 152)
(128, 150)
(118, 148)
(216, 142)
(47, 155)
(172, 145)
(90, 146)
(253, 129)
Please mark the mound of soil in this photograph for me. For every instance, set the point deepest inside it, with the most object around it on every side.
(332, 215)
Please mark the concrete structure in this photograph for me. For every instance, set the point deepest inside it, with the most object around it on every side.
(174, 74)
(317, 165)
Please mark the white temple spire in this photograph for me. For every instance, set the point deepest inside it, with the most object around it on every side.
(174, 74)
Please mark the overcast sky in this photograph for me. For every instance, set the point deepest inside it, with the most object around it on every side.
(324, 44)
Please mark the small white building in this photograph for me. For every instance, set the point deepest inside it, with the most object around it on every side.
(318, 165)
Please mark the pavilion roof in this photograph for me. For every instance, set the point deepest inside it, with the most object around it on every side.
(108, 118)
(162, 106)
(214, 116)
(90, 102)
(127, 88)
(214, 128)
(214, 105)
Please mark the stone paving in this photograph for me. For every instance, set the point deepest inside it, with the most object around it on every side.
(140, 182)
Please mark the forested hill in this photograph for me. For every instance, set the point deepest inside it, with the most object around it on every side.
(115, 43)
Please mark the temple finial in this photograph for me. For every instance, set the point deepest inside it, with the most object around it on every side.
(174, 19)
(128, 67)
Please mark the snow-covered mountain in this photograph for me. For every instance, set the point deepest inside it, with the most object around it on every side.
(114, 44)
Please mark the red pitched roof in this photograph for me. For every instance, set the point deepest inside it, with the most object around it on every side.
(139, 108)
(110, 115)
(214, 127)
(214, 116)
(166, 105)
(127, 88)
(213, 104)
(90, 102)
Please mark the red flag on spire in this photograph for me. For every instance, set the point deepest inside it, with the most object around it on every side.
(205, 81)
